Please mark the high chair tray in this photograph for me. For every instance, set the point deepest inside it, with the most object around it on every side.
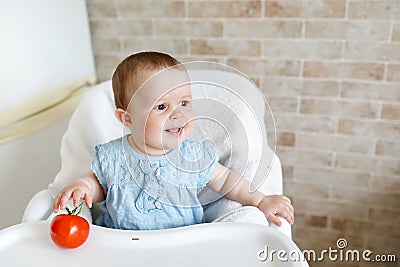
(213, 244)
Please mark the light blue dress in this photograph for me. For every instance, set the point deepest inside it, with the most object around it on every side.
(153, 192)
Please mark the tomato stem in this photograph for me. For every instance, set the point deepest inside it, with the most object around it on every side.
(75, 211)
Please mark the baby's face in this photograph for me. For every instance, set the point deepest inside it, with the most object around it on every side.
(161, 112)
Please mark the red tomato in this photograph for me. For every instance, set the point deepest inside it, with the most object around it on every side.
(69, 231)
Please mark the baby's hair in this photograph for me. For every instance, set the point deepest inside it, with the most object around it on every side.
(125, 78)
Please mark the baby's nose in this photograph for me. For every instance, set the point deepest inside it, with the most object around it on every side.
(176, 114)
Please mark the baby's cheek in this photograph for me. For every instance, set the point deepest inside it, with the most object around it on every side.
(189, 117)
(153, 128)
(189, 127)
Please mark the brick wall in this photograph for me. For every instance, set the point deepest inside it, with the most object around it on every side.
(331, 72)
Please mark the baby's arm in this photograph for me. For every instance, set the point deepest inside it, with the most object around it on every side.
(87, 188)
(233, 186)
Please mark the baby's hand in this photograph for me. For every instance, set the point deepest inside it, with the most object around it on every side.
(77, 190)
(277, 205)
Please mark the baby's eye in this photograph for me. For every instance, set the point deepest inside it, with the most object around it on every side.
(184, 103)
(161, 107)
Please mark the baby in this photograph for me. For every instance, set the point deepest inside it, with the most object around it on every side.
(151, 177)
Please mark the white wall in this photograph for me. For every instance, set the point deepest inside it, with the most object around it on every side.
(43, 45)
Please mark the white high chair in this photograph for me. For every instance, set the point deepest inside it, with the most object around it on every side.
(211, 244)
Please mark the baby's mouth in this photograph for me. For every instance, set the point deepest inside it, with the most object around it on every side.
(175, 131)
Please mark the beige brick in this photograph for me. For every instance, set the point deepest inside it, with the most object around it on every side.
(375, 91)
(336, 142)
(332, 176)
(323, 124)
(391, 111)
(326, 207)
(348, 30)
(105, 45)
(263, 29)
(355, 162)
(320, 88)
(279, 103)
(266, 67)
(305, 123)
(247, 66)
(225, 47)
(375, 165)
(389, 167)
(389, 148)
(364, 71)
(372, 51)
(182, 28)
(369, 128)
(366, 197)
(374, 9)
(190, 58)
(396, 32)
(302, 49)
(173, 46)
(113, 28)
(384, 214)
(281, 67)
(341, 108)
(322, 69)
(108, 61)
(350, 70)
(304, 157)
(301, 188)
(225, 9)
(364, 226)
(311, 220)
(393, 73)
(305, 9)
(101, 9)
(385, 183)
(280, 86)
(286, 138)
(287, 172)
(151, 9)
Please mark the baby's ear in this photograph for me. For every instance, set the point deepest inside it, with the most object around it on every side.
(123, 117)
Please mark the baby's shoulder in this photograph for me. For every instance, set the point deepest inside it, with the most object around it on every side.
(109, 149)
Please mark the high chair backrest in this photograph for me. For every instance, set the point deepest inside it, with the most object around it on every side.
(231, 112)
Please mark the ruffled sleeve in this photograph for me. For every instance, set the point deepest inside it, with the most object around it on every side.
(97, 162)
(210, 159)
